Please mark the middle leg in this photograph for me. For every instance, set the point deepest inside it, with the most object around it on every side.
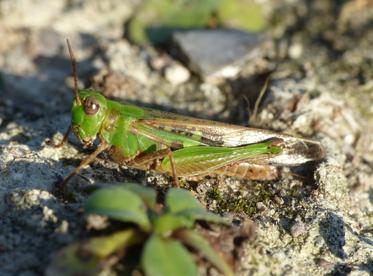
(148, 161)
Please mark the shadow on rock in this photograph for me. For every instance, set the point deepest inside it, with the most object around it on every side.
(37, 84)
(32, 226)
(340, 270)
(245, 93)
(332, 230)
(370, 192)
(367, 267)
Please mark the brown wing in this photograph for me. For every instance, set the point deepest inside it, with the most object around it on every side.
(295, 150)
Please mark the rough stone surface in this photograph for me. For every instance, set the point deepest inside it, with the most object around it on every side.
(315, 220)
(216, 53)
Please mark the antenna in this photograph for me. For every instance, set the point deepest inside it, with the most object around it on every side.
(73, 66)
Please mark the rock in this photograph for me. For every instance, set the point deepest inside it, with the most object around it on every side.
(127, 60)
(297, 229)
(216, 53)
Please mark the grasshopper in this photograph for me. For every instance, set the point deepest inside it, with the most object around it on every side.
(177, 145)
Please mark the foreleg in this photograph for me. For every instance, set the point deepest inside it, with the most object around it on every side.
(101, 147)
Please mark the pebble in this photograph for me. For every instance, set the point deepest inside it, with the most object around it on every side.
(177, 74)
(297, 229)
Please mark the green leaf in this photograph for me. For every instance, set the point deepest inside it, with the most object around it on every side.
(148, 195)
(182, 203)
(198, 214)
(180, 199)
(164, 257)
(169, 222)
(242, 14)
(105, 246)
(196, 241)
(156, 19)
(119, 204)
(88, 258)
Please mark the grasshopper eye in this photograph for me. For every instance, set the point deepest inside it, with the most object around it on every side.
(91, 105)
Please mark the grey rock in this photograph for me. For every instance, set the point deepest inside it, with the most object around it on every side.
(216, 53)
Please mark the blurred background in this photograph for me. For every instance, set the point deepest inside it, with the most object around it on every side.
(181, 51)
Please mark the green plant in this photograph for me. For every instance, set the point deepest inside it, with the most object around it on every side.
(162, 231)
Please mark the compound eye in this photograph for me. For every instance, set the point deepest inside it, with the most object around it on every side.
(91, 106)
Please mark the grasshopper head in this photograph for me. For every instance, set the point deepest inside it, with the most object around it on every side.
(89, 108)
(88, 113)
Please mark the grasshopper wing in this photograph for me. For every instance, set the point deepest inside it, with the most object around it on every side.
(182, 131)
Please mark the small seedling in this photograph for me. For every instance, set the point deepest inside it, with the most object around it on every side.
(162, 233)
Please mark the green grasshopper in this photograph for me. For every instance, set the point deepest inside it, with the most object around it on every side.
(177, 145)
